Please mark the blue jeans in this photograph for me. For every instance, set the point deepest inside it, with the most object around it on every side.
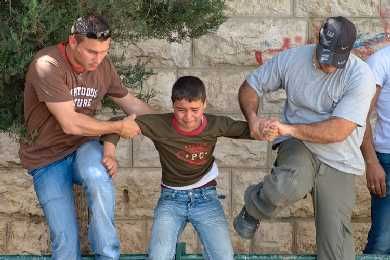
(379, 235)
(53, 185)
(200, 207)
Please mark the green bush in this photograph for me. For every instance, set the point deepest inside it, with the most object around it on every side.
(29, 25)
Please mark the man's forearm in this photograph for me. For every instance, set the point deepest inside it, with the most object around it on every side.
(74, 123)
(133, 105)
(84, 125)
(329, 131)
(367, 147)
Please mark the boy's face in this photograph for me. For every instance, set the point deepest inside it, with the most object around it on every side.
(189, 114)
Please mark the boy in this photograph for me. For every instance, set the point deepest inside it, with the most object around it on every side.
(185, 141)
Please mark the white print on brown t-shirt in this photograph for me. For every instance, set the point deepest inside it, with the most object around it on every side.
(83, 96)
(196, 154)
(82, 102)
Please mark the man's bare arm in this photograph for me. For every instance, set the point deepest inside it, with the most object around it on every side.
(132, 105)
(80, 124)
(329, 131)
(249, 101)
(249, 104)
(375, 174)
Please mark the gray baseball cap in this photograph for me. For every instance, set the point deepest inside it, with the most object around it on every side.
(336, 39)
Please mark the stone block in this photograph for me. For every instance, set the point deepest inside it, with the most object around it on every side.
(161, 83)
(28, 236)
(363, 198)
(124, 153)
(273, 237)
(137, 192)
(221, 88)
(144, 153)
(305, 237)
(17, 193)
(248, 42)
(385, 9)
(317, 8)
(9, 149)
(269, 8)
(155, 53)
(360, 232)
(233, 153)
(3, 235)
(132, 234)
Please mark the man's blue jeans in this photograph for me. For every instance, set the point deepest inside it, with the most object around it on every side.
(53, 185)
(200, 207)
(379, 235)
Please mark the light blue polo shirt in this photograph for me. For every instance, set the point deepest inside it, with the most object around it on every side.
(379, 63)
(314, 96)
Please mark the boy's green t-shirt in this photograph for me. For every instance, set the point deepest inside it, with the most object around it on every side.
(186, 156)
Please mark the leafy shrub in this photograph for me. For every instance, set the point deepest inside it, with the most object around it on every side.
(29, 25)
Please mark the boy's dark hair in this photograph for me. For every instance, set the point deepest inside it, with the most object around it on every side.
(189, 88)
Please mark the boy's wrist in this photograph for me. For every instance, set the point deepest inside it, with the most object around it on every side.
(120, 127)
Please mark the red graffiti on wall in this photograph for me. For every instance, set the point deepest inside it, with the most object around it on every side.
(365, 45)
(286, 44)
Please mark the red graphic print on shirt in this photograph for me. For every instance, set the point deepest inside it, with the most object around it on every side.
(195, 154)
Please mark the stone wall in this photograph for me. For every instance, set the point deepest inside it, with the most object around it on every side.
(255, 31)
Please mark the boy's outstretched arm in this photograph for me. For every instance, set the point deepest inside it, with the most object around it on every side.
(109, 160)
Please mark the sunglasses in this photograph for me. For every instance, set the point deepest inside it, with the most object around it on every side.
(97, 35)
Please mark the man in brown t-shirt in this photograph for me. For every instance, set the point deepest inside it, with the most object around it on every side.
(64, 88)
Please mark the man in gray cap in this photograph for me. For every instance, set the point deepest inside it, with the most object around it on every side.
(328, 97)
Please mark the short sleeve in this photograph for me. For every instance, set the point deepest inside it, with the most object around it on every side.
(379, 64)
(355, 103)
(48, 80)
(267, 77)
(145, 123)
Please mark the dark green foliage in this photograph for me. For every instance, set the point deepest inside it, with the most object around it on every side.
(175, 20)
(29, 25)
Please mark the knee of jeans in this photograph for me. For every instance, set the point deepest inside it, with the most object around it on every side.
(282, 188)
(94, 174)
(161, 249)
(65, 244)
(98, 184)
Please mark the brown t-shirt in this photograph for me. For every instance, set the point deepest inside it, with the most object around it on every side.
(186, 156)
(51, 78)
